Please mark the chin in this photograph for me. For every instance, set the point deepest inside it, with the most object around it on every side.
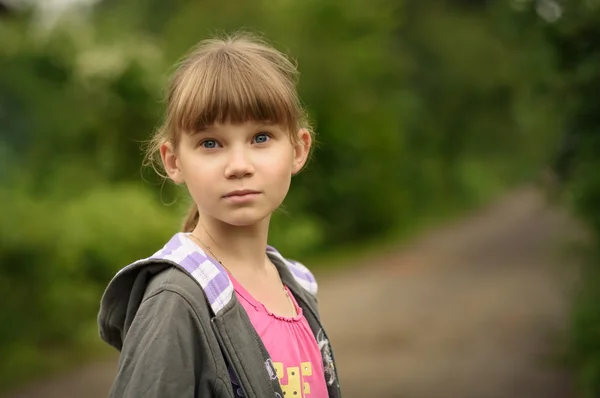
(244, 218)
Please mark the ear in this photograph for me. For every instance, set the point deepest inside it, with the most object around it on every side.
(301, 150)
(171, 162)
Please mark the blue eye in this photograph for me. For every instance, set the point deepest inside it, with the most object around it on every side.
(209, 144)
(261, 138)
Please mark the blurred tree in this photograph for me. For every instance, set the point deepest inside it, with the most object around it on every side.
(575, 39)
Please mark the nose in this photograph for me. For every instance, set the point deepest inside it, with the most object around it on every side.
(239, 164)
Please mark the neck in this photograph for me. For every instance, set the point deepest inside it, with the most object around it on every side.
(240, 249)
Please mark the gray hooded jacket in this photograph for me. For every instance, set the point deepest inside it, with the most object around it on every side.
(182, 332)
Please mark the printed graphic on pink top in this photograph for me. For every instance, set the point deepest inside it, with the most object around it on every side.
(295, 353)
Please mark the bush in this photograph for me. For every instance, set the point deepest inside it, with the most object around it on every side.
(57, 257)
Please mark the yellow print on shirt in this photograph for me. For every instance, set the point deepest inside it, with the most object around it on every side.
(296, 386)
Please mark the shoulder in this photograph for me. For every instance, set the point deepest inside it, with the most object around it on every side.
(299, 271)
(174, 281)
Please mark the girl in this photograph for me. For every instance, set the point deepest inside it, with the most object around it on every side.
(216, 312)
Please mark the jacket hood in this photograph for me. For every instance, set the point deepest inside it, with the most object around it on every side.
(124, 293)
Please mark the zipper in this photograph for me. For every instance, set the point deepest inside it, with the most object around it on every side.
(276, 387)
(228, 358)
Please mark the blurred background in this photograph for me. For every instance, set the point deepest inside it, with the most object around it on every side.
(450, 210)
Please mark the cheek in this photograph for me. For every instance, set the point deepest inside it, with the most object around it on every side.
(197, 173)
(280, 176)
(280, 166)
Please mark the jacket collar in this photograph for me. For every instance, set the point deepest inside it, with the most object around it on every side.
(213, 277)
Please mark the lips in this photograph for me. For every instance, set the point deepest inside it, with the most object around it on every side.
(241, 193)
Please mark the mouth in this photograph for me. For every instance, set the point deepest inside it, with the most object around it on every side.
(241, 193)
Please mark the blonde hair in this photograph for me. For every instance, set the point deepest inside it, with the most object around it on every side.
(235, 79)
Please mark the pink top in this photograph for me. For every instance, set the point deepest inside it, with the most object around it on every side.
(291, 345)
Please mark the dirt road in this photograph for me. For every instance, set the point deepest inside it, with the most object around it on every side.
(474, 310)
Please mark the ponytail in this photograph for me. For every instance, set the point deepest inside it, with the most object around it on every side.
(192, 218)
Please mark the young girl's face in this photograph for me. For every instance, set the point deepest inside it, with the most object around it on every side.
(237, 173)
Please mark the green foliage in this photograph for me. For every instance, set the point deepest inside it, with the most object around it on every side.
(54, 275)
(419, 109)
(585, 335)
(585, 328)
(576, 41)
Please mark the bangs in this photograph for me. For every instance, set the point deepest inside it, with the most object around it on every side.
(229, 88)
